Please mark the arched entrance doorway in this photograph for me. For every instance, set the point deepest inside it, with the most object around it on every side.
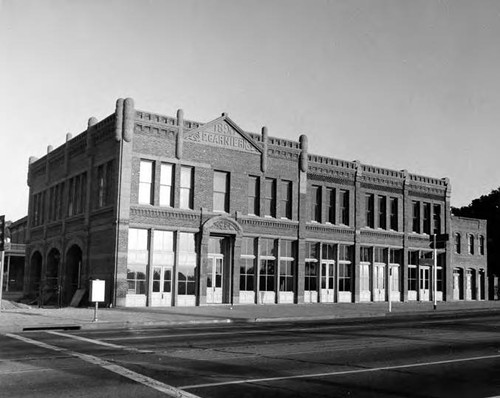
(482, 284)
(218, 279)
(72, 272)
(35, 273)
(458, 284)
(51, 291)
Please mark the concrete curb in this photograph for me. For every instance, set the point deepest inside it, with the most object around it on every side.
(120, 325)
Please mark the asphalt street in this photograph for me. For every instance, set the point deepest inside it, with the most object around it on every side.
(445, 357)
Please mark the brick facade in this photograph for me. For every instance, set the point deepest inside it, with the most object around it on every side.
(174, 212)
(469, 254)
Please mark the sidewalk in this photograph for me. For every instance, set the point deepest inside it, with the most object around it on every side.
(13, 319)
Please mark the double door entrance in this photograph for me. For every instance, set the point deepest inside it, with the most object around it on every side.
(379, 282)
(215, 277)
(424, 284)
(162, 286)
(327, 281)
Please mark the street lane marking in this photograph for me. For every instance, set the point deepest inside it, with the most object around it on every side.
(187, 335)
(343, 372)
(87, 340)
(120, 370)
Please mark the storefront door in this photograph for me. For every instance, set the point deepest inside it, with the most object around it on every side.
(215, 278)
(327, 281)
(424, 284)
(379, 282)
(162, 287)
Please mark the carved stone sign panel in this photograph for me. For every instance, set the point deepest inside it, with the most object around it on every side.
(221, 134)
(224, 225)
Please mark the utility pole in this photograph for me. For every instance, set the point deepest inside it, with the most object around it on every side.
(434, 276)
(2, 255)
(437, 240)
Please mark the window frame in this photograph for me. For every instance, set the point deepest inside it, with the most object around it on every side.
(186, 191)
(146, 178)
(221, 189)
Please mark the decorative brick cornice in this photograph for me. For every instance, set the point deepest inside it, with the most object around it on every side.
(268, 223)
(163, 213)
(380, 183)
(77, 145)
(331, 176)
(418, 238)
(330, 229)
(283, 154)
(162, 132)
(427, 193)
(153, 118)
(373, 233)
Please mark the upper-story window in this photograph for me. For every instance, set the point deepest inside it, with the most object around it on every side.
(330, 205)
(437, 218)
(77, 193)
(316, 203)
(344, 206)
(270, 197)
(471, 244)
(415, 216)
(393, 215)
(253, 195)
(146, 182)
(56, 202)
(458, 245)
(427, 218)
(286, 199)
(186, 187)
(166, 185)
(370, 216)
(221, 191)
(39, 208)
(382, 212)
(481, 245)
(105, 174)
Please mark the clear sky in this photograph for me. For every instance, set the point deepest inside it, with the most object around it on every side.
(400, 84)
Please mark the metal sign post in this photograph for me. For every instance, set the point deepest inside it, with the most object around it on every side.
(2, 256)
(437, 239)
(434, 276)
(97, 288)
(389, 288)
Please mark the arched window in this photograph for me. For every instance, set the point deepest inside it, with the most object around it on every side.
(471, 244)
(481, 245)
(458, 247)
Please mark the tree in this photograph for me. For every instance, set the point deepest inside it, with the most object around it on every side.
(487, 207)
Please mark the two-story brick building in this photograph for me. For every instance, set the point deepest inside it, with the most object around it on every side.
(174, 212)
(468, 258)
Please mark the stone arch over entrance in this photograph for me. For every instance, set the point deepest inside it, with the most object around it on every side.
(36, 262)
(222, 224)
(220, 249)
(71, 273)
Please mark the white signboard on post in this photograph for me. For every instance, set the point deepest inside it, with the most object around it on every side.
(97, 288)
(96, 294)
